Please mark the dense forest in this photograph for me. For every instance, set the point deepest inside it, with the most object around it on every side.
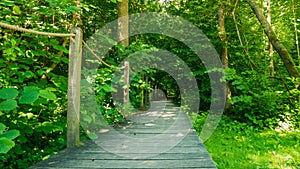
(257, 42)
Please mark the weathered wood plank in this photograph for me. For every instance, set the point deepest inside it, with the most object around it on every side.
(133, 163)
(110, 156)
(135, 145)
(73, 115)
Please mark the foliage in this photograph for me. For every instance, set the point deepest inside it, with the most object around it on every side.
(238, 145)
(33, 78)
(6, 139)
(258, 102)
(33, 81)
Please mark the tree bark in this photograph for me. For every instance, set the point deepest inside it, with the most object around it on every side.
(272, 72)
(224, 51)
(123, 23)
(123, 38)
(296, 32)
(278, 46)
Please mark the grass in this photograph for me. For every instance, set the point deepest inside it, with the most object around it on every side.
(235, 145)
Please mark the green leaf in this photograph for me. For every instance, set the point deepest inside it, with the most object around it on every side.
(86, 118)
(8, 105)
(48, 127)
(73, 9)
(47, 94)
(8, 93)
(58, 47)
(92, 136)
(28, 74)
(17, 10)
(2, 128)
(60, 82)
(5, 145)
(65, 60)
(29, 95)
(51, 89)
(7, 3)
(31, 89)
(11, 134)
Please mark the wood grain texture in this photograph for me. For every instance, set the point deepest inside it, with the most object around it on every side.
(73, 115)
(121, 146)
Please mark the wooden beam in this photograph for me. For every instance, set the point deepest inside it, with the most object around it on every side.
(73, 114)
(126, 82)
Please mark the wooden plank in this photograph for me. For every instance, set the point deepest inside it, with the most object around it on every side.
(73, 115)
(126, 82)
(121, 147)
(134, 163)
(110, 156)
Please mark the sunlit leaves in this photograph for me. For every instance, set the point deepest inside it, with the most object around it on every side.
(2, 128)
(5, 145)
(17, 10)
(47, 94)
(115, 1)
(34, 69)
(73, 9)
(7, 3)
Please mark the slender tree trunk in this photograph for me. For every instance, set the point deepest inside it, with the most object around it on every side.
(75, 22)
(123, 37)
(123, 23)
(296, 32)
(278, 46)
(245, 48)
(224, 51)
(272, 72)
(296, 35)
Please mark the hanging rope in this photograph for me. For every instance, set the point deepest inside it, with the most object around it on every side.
(16, 28)
(88, 48)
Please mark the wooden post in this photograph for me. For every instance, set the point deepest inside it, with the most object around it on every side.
(73, 114)
(126, 82)
(147, 99)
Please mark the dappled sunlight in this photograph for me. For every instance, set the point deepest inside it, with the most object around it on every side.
(277, 159)
(242, 147)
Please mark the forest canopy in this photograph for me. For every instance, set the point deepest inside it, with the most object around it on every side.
(257, 42)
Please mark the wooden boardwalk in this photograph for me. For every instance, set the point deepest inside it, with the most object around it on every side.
(161, 137)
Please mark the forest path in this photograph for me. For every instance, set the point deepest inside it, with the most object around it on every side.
(161, 137)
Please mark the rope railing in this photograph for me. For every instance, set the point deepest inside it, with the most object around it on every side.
(74, 77)
(93, 53)
(17, 28)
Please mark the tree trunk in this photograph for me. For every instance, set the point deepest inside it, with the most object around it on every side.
(123, 23)
(269, 43)
(123, 38)
(224, 51)
(279, 47)
(296, 32)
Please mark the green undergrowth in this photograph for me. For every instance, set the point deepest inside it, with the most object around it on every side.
(236, 145)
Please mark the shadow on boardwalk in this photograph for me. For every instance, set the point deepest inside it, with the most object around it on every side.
(161, 137)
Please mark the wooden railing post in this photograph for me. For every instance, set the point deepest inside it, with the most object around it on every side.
(73, 114)
(126, 82)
